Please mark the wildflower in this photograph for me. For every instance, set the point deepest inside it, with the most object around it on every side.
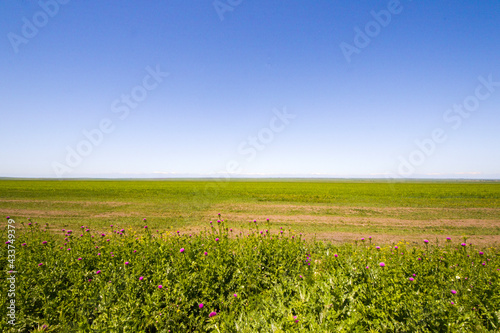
(367, 267)
(295, 318)
(69, 249)
(217, 239)
(481, 253)
(7, 242)
(126, 262)
(452, 303)
(453, 292)
(40, 264)
(463, 244)
(23, 244)
(111, 226)
(135, 251)
(44, 242)
(107, 240)
(160, 286)
(181, 250)
(362, 239)
(335, 255)
(98, 254)
(395, 247)
(426, 241)
(63, 230)
(87, 230)
(145, 227)
(382, 264)
(448, 239)
(212, 314)
(378, 247)
(90, 280)
(419, 259)
(141, 278)
(79, 259)
(8, 217)
(144, 219)
(200, 305)
(98, 272)
(235, 295)
(205, 253)
(411, 279)
(123, 230)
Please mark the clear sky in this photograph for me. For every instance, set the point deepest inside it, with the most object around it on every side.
(250, 88)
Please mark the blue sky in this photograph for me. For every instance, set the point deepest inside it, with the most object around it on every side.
(250, 88)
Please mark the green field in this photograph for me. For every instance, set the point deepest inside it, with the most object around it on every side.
(335, 210)
(143, 256)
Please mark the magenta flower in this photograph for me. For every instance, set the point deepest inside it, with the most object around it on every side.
(453, 292)
(141, 278)
(63, 230)
(217, 239)
(111, 226)
(411, 279)
(448, 238)
(181, 250)
(123, 230)
(8, 217)
(335, 255)
(205, 253)
(69, 249)
(362, 239)
(98, 272)
(160, 286)
(481, 253)
(7, 242)
(212, 314)
(79, 259)
(40, 264)
(200, 305)
(145, 227)
(235, 295)
(23, 244)
(98, 254)
(377, 247)
(426, 241)
(463, 244)
(452, 303)
(126, 263)
(295, 318)
(144, 219)
(395, 247)
(382, 264)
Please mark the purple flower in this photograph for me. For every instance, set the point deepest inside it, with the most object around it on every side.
(212, 314)
(63, 230)
(295, 318)
(200, 305)
(414, 275)
(160, 286)
(448, 238)
(87, 230)
(217, 239)
(69, 249)
(79, 259)
(145, 227)
(419, 259)
(7, 242)
(141, 278)
(452, 303)
(8, 217)
(123, 230)
(126, 262)
(453, 292)
(382, 264)
(205, 253)
(144, 219)
(23, 244)
(481, 253)
(362, 239)
(111, 226)
(426, 241)
(377, 247)
(235, 295)
(98, 272)
(463, 244)
(40, 264)
(107, 240)
(98, 254)
(181, 250)
(411, 279)
(44, 242)
(395, 247)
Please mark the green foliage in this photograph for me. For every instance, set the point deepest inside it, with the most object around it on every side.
(281, 283)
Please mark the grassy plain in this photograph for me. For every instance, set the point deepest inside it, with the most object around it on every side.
(337, 210)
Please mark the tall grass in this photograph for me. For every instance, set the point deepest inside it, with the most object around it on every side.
(141, 280)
